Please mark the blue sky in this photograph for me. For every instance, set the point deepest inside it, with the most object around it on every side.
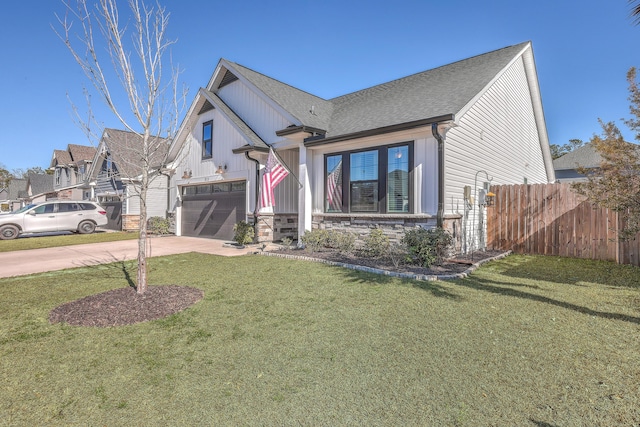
(328, 48)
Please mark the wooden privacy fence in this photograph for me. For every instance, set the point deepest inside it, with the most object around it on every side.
(550, 219)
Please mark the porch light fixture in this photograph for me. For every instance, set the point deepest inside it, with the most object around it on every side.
(222, 168)
(187, 174)
(490, 199)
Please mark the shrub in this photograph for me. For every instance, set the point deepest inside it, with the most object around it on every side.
(287, 242)
(343, 242)
(427, 247)
(244, 233)
(315, 240)
(376, 244)
(158, 225)
(397, 253)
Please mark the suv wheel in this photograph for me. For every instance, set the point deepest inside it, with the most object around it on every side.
(8, 232)
(86, 227)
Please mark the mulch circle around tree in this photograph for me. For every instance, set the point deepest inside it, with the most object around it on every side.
(123, 306)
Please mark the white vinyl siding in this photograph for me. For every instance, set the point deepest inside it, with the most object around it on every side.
(498, 134)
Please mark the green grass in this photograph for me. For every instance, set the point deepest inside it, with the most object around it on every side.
(538, 341)
(39, 242)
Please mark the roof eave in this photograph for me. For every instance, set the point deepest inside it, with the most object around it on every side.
(318, 140)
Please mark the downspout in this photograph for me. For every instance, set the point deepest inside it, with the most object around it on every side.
(256, 187)
(440, 139)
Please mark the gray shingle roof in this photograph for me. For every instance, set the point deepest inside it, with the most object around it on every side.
(15, 187)
(295, 101)
(40, 183)
(429, 94)
(585, 156)
(126, 151)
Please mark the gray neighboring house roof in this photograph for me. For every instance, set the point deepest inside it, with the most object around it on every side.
(16, 188)
(40, 184)
(585, 156)
(430, 94)
(125, 150)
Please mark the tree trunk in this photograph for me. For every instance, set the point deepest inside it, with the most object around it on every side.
(142, 238)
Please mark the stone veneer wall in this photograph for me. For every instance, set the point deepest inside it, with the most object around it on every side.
(274, 227)
(392, 226)
(131, 222)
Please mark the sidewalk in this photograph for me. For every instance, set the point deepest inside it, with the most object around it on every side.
(32, 261)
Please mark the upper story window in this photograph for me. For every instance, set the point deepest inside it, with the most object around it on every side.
(374, 180)
(57, 176)
(207, 139)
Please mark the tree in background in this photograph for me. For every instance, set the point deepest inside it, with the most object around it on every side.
(140, 89)
(5, 176)
(561, 150)
(616, 183)
(24, 173)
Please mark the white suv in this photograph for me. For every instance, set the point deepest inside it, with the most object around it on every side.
(78, 217)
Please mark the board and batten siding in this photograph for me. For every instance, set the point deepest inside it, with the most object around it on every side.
(286, 193)
(261, 117)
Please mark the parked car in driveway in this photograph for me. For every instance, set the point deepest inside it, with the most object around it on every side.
(79, 217)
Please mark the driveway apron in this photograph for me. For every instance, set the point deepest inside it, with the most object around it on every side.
(20, 263)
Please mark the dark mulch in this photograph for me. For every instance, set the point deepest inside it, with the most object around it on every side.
(455, 265)
(123, 306)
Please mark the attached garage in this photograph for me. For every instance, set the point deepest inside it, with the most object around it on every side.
(211, 210)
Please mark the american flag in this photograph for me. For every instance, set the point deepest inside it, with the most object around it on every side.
(334, 188)
(274, 173)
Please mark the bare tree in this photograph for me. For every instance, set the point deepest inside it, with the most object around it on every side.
(141, 87)
(635, 11)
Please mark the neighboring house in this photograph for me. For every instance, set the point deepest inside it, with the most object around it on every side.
(416, 151)
(115, 178)
(11, 197)
(39, 188)
(566, 167)
(70, 172)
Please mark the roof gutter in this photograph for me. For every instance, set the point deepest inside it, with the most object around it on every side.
(257, 186)
(292, 130)
(320, 140)
(440, 139)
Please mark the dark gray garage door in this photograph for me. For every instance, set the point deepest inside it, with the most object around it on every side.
(211, 210)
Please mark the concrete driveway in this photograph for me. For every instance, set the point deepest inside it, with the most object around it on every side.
(20, 263)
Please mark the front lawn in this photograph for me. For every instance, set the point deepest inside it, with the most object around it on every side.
(536, 341)
(36, 241)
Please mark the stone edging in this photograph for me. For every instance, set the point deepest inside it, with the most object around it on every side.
(424, 277)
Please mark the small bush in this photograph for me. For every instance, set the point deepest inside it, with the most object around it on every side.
(427, 247)
(343, 242)
(376, 244)
(397, 254)
(244, 233)
(158, 225)
(287, 242)
(315, 240)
